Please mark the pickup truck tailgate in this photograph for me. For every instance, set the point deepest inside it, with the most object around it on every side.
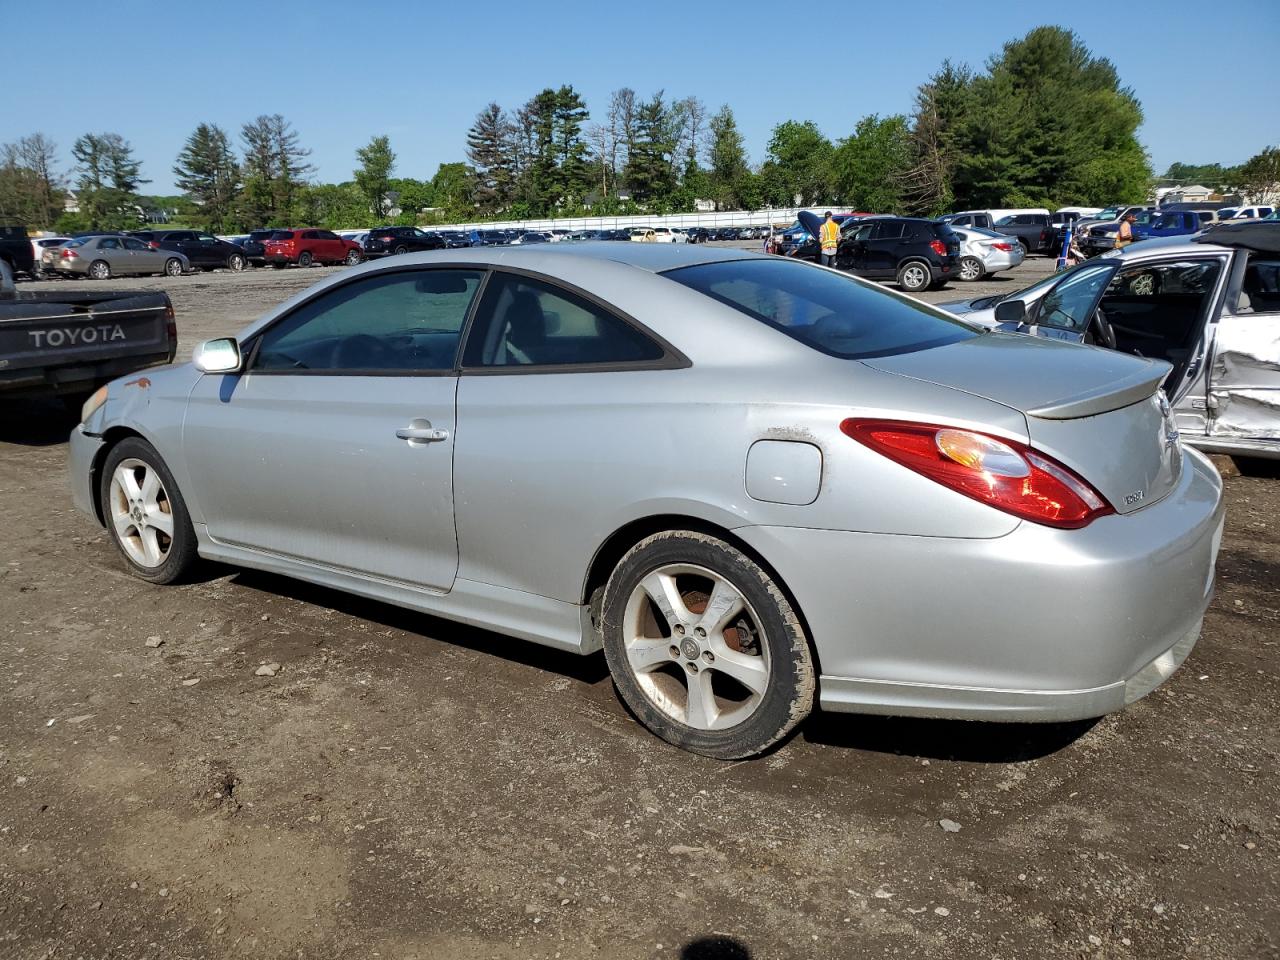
(61, 334)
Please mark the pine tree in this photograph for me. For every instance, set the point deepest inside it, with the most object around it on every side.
(568, 114)
(728, 158)
(275, 167)
(492, 152)
(206, 171)
(648, 171)
(108, 177)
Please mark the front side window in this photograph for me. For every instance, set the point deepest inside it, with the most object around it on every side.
(394, 322)
(131, 244)
(825, 310)
(1069, 305)
(109, 243)
(525, 322)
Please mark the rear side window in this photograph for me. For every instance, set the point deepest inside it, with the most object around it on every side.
(823, 309)
(525, 322)
(889, 230)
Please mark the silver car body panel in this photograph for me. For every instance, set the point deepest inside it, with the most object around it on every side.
(900, 580)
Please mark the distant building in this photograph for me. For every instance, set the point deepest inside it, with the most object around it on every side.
(1192, 193)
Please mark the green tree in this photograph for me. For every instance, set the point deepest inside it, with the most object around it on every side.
(451, 188)
(648, 172)
(107, 180)
(729, 175)
(275, 169)
(1051, 124)
(373, 176)
(869, 167)
(943, 106)
(1259, 177)
(573, 179)
(491, 150)
(334, 206)
(30, 191)
(207, 172)
(413, 197)
(797, 169)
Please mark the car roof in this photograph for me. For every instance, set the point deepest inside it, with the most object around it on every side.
(1187, 243)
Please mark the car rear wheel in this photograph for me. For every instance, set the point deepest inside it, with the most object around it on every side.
(914, 276)
(173, 267)
(236, 262)
(704, 647)
(304, 259)
(1026, 251)
(971, 268)
(353, 257)
(400, 249)
(100, 270)
(145, 514)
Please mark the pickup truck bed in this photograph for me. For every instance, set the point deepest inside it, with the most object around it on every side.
(69, 343)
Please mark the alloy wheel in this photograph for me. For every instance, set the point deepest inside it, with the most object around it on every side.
(141, 512)
(914, 277)
(99, 270)
(693, 643)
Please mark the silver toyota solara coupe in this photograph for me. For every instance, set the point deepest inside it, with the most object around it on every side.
(758, 484)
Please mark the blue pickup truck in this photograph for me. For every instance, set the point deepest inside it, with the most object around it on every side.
(1174, 223)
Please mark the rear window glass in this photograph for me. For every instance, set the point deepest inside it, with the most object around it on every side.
(281, 235)
(823, 309)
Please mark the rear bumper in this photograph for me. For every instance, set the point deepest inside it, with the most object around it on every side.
(74, 377)
(1038, 625)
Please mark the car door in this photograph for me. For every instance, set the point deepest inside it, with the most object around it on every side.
(142, 259)
(331, 249)
(544, 368)
(111, 250)
(851, 255)
(211, 252)
(1065, 311)
(884, 249)
(335, 445)
(1243, 390)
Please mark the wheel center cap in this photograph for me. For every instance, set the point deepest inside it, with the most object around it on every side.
(689, 649)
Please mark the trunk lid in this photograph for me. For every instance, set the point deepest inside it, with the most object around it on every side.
(1099, 412)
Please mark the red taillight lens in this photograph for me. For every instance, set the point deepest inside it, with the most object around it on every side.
(1004, 474)
(69, 255)
(938, 247)
(1006, 247)
(153, 245)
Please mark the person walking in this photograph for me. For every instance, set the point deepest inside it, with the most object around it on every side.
(1125, 236)
(828, 239)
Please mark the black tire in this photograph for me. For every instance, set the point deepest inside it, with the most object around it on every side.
(353, 257)
(788, 694)
(182, 548)
(1026, 251)
(236, 263)
(915, 276)
(402, 249)
(100, 270)
(173, 267)
(973, 266)
(304, 258)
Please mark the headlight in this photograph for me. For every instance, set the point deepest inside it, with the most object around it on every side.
(93, 403)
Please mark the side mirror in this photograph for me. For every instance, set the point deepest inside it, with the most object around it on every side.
(1011, 311)
(217, 356)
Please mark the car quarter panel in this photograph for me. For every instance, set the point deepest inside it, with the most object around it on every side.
(1040, 610)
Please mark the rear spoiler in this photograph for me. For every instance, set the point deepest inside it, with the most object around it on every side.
(1106, 397)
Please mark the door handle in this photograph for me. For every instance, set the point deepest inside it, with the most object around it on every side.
(421, 431)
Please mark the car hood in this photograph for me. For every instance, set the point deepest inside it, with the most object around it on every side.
(1040, 377)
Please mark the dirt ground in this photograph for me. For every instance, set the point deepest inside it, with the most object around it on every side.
(404, 787)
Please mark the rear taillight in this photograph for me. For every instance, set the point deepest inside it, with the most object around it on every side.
(171, 330)
(1004, 474)
(1006, 247)
(153, 245)
(69, 255)
(938, 247)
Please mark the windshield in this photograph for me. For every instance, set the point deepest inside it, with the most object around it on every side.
(1167, 221)
(281, 235)
(1108, 213)
(823, 309)
(1005, 221)
(1227, 213)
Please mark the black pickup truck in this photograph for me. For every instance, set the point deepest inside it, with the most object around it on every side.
(15, 250)
(68, 343)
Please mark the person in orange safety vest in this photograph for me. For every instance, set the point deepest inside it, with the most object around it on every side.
(829, 240)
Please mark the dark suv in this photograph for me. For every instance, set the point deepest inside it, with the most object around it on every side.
(388, 241)
(920, 254)
(205, 252)
(1032, 230)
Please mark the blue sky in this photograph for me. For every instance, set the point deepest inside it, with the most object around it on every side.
(419, 72)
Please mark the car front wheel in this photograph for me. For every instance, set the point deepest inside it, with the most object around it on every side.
(704, 647)
(145, 514)
(353, 257)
